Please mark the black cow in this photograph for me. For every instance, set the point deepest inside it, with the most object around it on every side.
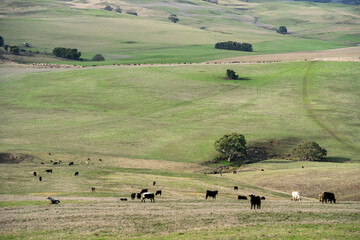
(49, 154)
(158, 192)
(55, 163)
(148, 195)
(53, 200)
(154, 183)
(255, 201)
(71, 163)
(236, 188)
(48, 170)
(211, 194)
(76, 174)
(133, 195)
(242, 197)
(138, 195)
(328, 196)
(88, 158)
(40, 178)
(93, 189)
(234, 172)
(34, 173)
(123, 199)
(262, 198)
(144, 190)
(42, 163)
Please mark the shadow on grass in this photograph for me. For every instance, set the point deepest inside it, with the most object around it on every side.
(335, 159)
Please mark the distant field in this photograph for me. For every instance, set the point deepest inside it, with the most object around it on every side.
(151, 38)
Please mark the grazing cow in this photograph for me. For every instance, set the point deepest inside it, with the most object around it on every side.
(48, 170)
(154, 183)
(40, 178)
(123, 199)
(71, 163)
(49, 154)
(144, 190)
(158, 192)
(42, 163)
(76, 174)
(302, 167)
(100, 159)
(236, 188)
(51, 160)
(88, 158)
(93, 189)
(148, 195)
(60, 161)
(262, 198)
(328, 196)
(234, 172)
(138, 195)
(295, 196)
(255, 201)
(53, 200)
(262, 170)
(55, 163)
(211, 194)
(242, 197)
(133, 195)
(34, 173)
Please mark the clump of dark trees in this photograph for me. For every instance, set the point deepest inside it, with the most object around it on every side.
(231, 74)
(230, 45)
(69, 53)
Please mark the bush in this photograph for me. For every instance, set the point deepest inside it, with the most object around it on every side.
(132, 12)
(108, 8)
(309, 151)
(98, 57)
(173, 18)
(231, 74)
(14, 49)
(282, 30)
(232, 145)
(230, 45)
(118, 10)
(69, 53)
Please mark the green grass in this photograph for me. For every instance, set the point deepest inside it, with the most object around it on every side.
(177, 112)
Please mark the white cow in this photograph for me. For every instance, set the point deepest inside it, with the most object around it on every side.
(296, 196)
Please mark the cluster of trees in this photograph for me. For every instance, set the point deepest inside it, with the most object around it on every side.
(282, 30)
(173, 18)
(230, 45)
(231, 74)
(233, 146)
(110, 8)
(70, 53)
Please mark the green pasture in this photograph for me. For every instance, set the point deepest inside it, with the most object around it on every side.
(177, 112)
(151, 38)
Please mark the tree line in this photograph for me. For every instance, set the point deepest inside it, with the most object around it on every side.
(70, 53)
(230, 45)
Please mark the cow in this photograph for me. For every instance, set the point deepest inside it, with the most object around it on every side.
(234, 172)
(154, 183)
(48, 170)
(100, 160)
(42, 163)
(295, 196)
(236, 188)
(88, 159)
(242, 197)
(123, 199)
(144, 190)
(93, 189)
(255, 201)
(133, 195)
(138, 195)
(53, 200)
(328, 196)
(158, 192)
(211, 194)
(262, 198)
(55, 163)
(148, 195)
(40, 178)
(76, 174)
(262, 170)
(49, 154)
(71, 163)
(34, 173)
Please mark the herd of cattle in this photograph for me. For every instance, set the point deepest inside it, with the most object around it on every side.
(144, 194)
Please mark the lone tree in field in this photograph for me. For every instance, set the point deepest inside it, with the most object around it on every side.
(309, 151)
(232, 145)
(173, 18)
(1, 41)
(231, 74)
(98, 57)
(282, 30)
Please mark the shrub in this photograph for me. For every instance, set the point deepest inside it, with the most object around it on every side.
(230, 45)
(231, 74)
(232, 145)
(108, 8)
(98, 57)
(14, 49)
(173, 18)
(282, 30)
(132, 12)
(309, 151)
(118, 10)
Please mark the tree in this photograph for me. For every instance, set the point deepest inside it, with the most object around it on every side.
(231, 74)
(14, 49)
(108, 8)
(118, 10)
(282, 30)
(232, 145)
(173, 18)
(1, 41)
(69, 53)
(309, 151)
(98, 57)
